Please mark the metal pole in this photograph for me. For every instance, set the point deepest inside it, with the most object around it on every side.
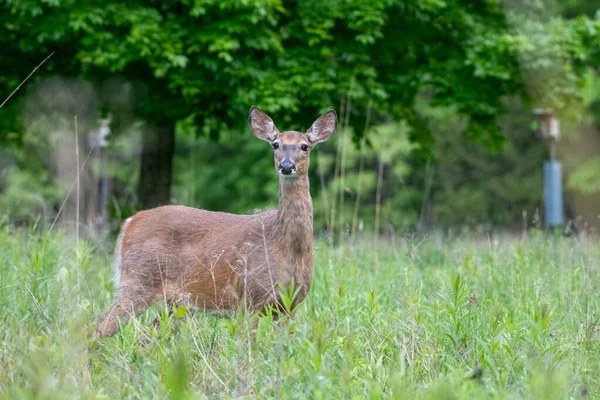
(553, 193)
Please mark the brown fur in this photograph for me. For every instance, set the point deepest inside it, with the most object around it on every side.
(214, 260)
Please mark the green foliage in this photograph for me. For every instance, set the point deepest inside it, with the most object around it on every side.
(431, 319)
(473, 188)
(210, 60)
(201, 63)
(586, 178)
(236, 174)
(27, 189)
(585, 175)
(386, 145)
(575, 8)
(26, 196)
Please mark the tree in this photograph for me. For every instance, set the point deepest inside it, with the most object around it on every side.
(210, 60)
(576, 8)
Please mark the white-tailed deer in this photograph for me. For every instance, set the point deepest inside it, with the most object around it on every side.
(216, 261)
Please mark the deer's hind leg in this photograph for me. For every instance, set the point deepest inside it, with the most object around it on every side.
(129, 303)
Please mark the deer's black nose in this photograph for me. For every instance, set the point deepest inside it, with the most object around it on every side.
(286, 167)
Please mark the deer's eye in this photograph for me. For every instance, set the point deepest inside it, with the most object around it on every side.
(275, 146)
(304, 147)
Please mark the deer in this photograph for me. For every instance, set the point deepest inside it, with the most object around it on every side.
(216, 261)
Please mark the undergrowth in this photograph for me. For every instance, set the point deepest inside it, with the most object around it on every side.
(431, 319)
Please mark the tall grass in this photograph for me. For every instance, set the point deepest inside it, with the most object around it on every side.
(433, 319)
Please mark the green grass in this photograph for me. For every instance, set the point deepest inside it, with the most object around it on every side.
(398, 320)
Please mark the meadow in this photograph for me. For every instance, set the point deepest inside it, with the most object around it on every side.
(410, 318)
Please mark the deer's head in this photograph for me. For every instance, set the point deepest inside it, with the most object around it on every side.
(291, 149)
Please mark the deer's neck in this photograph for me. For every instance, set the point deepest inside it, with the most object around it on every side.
(294, 227)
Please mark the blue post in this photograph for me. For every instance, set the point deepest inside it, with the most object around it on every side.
(553, 193)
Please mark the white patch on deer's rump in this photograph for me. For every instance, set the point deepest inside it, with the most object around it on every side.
(119, 255)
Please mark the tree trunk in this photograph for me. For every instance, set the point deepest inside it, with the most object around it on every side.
(156, 167)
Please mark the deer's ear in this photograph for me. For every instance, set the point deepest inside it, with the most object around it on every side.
(323, 127)
(262, 125)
